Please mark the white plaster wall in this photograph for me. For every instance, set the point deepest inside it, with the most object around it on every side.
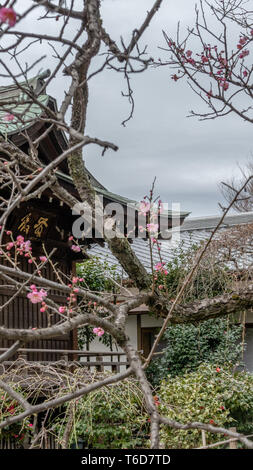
(98, 346)
(249, 317)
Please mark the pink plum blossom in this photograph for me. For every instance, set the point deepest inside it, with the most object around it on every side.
(244, 53)
(159, 266)
(152, 228)
(36, 296)
(144, 207)
(25, 246)
(9, 117)
(10, 245)
(8, 15)
(75, 248)
(243, 40)
(204, 59)
(98, 331)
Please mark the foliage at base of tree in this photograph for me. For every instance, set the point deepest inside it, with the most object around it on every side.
(209, 395)
(16, 432)
(113, 417)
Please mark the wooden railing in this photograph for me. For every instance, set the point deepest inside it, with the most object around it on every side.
(111, 360)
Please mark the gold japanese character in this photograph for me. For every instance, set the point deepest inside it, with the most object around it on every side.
(39, 227)
(25, 223)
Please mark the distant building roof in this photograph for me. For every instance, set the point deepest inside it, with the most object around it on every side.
(210, 222)
(14, 99)
(192, 232)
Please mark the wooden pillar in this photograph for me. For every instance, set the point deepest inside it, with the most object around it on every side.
(233, 444)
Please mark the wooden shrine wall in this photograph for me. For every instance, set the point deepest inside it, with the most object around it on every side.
(21, 313)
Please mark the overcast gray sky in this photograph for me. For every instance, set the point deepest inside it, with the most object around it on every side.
(188, 157)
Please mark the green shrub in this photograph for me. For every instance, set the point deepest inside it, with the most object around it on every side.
(187, 346)
(98, 274)
(210, 395)
(9, 408)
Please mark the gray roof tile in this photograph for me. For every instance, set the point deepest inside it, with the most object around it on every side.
(193, 232)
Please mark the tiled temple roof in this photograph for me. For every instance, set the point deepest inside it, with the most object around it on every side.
(192, 232)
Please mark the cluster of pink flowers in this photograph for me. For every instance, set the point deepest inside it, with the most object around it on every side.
(72, 296)
(223, 83)
(8, 15)
(62, 309)
(36, 296)
(22, 245)
(9, 117)
(211, 55)
(242, 41)
(204, 59)
(244, 53)
(77, 279)
(159, 267)
(23, 248)
(152, 228)
(74, 248)
(44, 307)
(152, 209)
(144, 207)
(98, 331)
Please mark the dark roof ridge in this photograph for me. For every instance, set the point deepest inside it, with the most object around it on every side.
(209, 222)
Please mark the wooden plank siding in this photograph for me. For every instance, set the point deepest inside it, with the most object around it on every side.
(21, 313)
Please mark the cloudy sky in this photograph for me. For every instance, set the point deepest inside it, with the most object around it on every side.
(188, 157)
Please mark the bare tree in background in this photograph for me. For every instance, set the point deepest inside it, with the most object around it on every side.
(79, 38)
(215, 57)
(228, 188)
